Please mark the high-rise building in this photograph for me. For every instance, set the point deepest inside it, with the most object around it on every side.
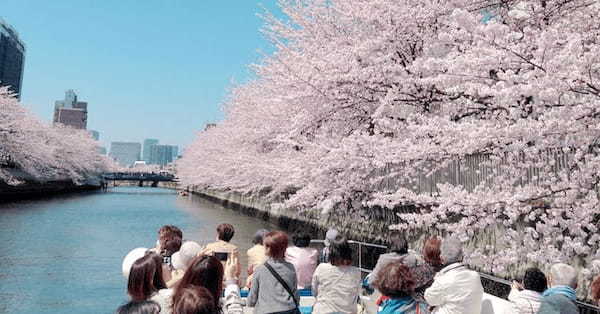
(95, 134)
(175, 152)
(12, 58)
(161, 154)
(125, 153)
(70, 111)
(147, 144)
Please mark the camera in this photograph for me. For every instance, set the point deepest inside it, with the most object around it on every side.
(222, 256)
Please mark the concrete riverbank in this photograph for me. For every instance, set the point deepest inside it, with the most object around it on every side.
(369, 225)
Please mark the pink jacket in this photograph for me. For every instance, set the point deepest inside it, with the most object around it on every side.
(305, 261)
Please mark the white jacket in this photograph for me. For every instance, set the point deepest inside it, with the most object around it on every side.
(524, 302)
(455, 290)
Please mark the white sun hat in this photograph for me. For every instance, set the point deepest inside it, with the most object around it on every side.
(187, 252)
(130, 258)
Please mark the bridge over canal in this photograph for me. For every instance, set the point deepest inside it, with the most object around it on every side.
(140, 177)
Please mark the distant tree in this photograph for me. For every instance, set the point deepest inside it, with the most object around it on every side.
(43, 152)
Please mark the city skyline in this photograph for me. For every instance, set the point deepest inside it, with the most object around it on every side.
(172, 68)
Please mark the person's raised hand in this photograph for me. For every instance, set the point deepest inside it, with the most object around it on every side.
(231, 268)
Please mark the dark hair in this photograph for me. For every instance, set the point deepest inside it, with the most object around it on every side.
(534, 279)
(169, 246)
(596, 289)
(225, 232)
(139, 307)
(301, 239)
(395, 281)
(275, 243)
(431, 252)
(398, 243)
(195, 300)
(340, 252)
(204, 271)
(259, 235)
(170, 231)
(145, 277)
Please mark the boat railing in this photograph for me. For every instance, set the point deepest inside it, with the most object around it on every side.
(584, 308)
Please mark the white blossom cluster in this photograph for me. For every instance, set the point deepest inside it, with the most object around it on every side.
(364, 100)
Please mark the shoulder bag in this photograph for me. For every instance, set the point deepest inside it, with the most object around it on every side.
(286, 287)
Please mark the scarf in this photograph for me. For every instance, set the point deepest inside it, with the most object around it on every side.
(393, 306)
(564, 290)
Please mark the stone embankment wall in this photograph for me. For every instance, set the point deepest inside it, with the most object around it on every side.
(367, 225)
(27, 187)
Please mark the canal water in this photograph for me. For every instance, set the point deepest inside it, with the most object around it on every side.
(64, 254)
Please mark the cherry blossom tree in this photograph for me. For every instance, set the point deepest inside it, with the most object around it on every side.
(481, 115)
(36, 151)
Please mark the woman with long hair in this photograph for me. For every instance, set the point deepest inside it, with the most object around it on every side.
(146, 282)
(207, 271)
(195, 300)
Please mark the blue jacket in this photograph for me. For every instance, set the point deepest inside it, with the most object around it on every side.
(558, 304)
(405, 305)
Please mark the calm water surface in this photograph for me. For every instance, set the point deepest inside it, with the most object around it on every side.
(63, 255)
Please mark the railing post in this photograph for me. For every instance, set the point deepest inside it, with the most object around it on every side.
(360, 255)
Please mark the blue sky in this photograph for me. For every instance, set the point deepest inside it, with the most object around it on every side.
(147, 68)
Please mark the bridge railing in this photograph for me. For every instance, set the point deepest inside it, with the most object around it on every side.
(135, 176)
(361, 247)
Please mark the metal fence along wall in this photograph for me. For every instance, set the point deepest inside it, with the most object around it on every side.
(469, 171)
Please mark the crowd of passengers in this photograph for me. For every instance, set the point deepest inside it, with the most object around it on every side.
(181, 277)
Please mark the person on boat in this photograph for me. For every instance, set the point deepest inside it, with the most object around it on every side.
(195, 300)
(336, 285)
(207, 271)
(330, 235)
(164, 233)
(595, 290)
(256, 254)
(397, 286)
(146, 283)
(455, 289)
(431, 253)
(561, 296)
(168, 247)
(303, 257)
(139, 307)
(181, 259)
(222, 247)
(274, 286)
(527, 295)
(422, 273)
(397, 251)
